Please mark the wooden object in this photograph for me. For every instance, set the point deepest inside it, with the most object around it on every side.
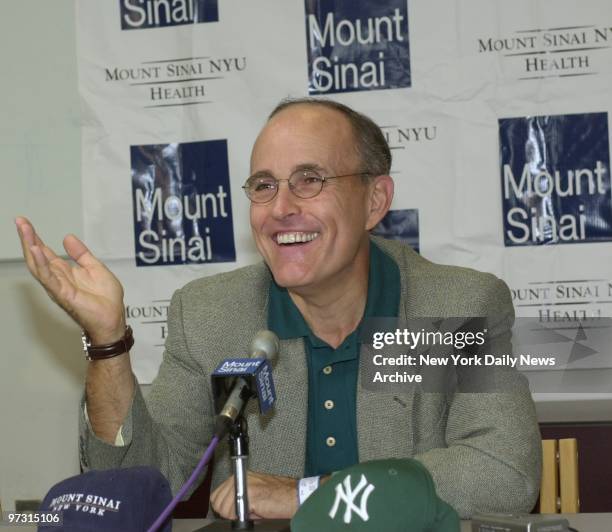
(549, 487)
(568, 476)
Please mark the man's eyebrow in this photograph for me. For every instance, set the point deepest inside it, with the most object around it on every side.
(262, 173)
(298, 168)
(309, 166)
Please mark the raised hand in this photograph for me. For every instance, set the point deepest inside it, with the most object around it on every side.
(87, 290)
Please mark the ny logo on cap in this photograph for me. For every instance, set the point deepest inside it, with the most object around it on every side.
(345, 493)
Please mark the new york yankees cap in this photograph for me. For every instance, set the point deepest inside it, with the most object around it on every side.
(111, 500)
(394, 495)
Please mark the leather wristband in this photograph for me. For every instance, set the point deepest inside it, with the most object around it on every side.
(101, 352)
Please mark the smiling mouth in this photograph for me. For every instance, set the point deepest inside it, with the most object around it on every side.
(296, 237)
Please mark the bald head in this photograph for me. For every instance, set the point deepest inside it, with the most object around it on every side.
(368, 139)
(317, 126)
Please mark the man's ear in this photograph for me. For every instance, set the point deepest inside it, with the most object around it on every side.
(380, 196)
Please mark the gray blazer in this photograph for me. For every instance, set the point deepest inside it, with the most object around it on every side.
(483, 450)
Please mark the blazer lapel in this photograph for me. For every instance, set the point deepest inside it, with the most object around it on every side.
(385, 419)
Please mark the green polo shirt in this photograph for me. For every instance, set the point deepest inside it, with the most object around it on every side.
(331, 433)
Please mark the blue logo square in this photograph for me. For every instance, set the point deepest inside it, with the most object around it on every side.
(555, 172)
(146, 14)
(357, 46)
(402, 225)
(182, 204)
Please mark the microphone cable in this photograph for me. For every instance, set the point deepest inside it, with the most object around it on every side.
(196, 473)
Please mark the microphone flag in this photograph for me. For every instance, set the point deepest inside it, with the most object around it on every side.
(256, 372)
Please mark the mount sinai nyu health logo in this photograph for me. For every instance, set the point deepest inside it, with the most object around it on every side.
(145, 14)
(555, 173)
(357, 46)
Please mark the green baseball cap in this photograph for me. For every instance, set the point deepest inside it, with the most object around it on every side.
(394, 495)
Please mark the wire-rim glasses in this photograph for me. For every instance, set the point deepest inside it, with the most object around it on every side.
(305, 184)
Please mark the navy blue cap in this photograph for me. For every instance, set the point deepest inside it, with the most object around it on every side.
(128, 499)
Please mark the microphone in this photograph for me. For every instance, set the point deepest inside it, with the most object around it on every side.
(251, 377)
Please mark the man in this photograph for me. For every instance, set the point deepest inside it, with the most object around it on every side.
(319, 183)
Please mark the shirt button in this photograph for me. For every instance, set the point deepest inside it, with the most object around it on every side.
(330, 441)
(329, 404)
(327, 370)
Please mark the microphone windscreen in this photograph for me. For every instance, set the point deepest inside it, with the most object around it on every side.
(265, 344)
(394, 495)
(111, 500)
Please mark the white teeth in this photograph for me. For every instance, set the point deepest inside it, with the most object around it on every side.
(291, 238)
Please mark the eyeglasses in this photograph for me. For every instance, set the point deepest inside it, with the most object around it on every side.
(305, 184)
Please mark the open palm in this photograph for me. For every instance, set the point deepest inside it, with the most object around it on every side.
(87, 290)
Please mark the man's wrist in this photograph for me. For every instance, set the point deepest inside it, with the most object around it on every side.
(96, 351)
(109, 334)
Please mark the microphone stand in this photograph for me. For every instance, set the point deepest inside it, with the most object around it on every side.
(239, 454)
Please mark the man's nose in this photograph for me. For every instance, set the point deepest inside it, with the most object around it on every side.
(285, 203)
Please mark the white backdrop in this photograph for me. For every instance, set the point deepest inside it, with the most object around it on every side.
(439, 84)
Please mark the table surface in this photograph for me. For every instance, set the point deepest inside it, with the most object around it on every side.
(581, 522)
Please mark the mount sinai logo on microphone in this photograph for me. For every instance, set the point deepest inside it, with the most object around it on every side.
(357, 46)
(555, 173)
(145, 14)
(239, 366)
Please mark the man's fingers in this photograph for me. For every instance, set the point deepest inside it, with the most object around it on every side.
(39, 257)
(79, 252)
(29, 238)
(49, 253)
(270, 496)
(215, 498)
(228, 508)
(25, 230)
(76, 249)
(45, 275)
(26, 237)
(222, 499)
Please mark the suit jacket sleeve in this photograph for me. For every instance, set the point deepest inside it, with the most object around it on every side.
(172, 428)
(492, 461)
